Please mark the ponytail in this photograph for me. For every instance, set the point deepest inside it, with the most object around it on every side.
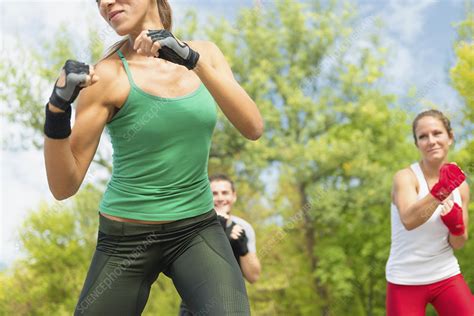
(164, 9)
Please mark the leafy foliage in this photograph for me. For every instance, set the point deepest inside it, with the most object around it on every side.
(316, 186)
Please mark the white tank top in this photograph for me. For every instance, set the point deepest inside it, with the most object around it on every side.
(422, 255)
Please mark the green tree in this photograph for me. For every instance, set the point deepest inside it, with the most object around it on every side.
(335, 141)
(462, 75)
(57, 242)
(332, 143)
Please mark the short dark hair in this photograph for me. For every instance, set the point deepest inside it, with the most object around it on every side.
(222, 177)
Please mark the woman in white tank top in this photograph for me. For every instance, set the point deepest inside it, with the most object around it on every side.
(429, 219)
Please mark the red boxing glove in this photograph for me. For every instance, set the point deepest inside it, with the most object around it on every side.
(450, 177)
(454, 220)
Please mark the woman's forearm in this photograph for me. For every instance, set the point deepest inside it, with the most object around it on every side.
(61, 167)
(457, 242)
(418, 213)
(236, 104)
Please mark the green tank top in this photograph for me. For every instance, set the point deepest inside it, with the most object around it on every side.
(160, 155)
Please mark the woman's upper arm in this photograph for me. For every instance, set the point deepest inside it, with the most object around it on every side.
(92, 114)
(404, 191)
(218, 60)
(464, 190)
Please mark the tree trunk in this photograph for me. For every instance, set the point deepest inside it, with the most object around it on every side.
(310, 241)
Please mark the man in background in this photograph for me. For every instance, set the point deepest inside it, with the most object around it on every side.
(239, 232)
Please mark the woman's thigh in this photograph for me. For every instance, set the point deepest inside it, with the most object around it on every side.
(208, 277)
(119, 278)
(406, 300)
(454, 298)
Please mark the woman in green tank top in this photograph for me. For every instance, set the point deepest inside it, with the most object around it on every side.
(156, 214)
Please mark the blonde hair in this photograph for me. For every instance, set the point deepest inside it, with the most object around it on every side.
(164, 10)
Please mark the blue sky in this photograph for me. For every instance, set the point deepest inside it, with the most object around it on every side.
(419, 34)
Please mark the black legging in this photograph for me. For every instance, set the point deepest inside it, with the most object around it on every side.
(194, 253)
(184, 310)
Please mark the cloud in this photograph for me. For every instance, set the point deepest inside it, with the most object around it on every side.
(24, 184)
(31, 22)
(406, 18)
(416, 57)
(400, 68)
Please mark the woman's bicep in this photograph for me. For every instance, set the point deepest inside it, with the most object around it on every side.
(404, 191)
(91, 117)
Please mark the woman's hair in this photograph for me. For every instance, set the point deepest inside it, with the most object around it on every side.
(436, 114)
(164, 9)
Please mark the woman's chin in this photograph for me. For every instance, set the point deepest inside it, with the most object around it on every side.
(435, 157)
(121, 32)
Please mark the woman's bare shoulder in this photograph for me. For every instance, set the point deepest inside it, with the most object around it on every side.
(112, 87)
(202, 44)
(206, 48)
(405, 175)
(109, 67)
(405, 181)
(213, 55)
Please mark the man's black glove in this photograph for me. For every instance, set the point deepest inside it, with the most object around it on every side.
(239, 245)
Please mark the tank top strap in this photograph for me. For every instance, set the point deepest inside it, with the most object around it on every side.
(127, 68)
(421, 179)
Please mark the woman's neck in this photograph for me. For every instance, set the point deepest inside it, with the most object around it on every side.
(132, 55)
(431, 168)
(147, 25)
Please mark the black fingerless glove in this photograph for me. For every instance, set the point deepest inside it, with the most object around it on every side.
(58, 125)
(171, 50)
(76, 74)
(239, 245)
